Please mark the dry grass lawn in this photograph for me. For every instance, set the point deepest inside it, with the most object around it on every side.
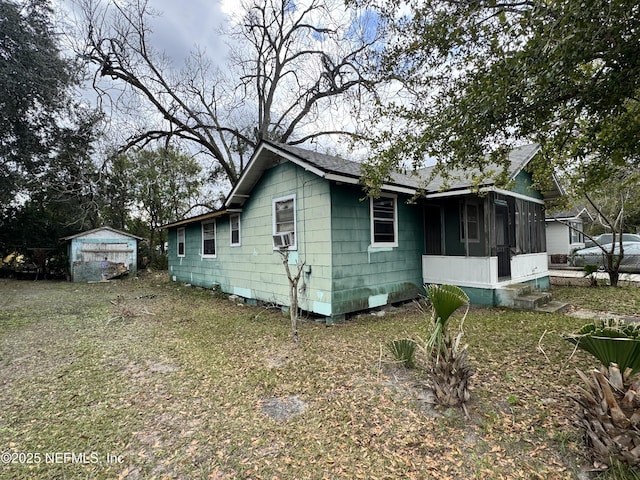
(143, 379)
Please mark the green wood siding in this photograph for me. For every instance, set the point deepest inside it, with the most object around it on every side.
(343, 274)
(253, 269)
(366, 276)
(523, 184)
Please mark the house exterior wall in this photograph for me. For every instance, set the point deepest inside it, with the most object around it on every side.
(365, 276)
(253, 269)
(482, 272)
(523, 184)
(343, 273)
(559, 240)
(477, 272)
(86, 253)
(478, 276)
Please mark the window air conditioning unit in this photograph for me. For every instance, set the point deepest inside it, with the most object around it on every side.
(282, 240)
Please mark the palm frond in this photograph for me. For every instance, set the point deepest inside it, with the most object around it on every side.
(403, 350)
(445, 300)
(610, 342)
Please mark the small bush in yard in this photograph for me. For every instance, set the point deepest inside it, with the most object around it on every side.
(610, 412)
(447, 362)
(404, 351)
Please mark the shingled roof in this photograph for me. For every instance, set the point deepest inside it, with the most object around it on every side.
(269, 154)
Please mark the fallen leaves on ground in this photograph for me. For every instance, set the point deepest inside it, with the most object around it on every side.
(179, 394)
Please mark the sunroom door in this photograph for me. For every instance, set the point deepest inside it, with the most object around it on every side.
(433, 230)
(502, 240)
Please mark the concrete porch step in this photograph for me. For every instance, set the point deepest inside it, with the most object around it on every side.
(554, 307)
(524, 297)
(531, 301)
(518, 289)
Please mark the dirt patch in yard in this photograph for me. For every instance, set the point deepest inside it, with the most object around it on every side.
(283, 408)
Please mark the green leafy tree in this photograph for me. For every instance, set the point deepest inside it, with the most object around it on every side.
(48, 181)
(70, 181)
(61, 197)
(35, 80)
(116, 191)
(476, 77)
(164, 186)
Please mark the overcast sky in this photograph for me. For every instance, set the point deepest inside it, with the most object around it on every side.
(180, 25)
(185, 24)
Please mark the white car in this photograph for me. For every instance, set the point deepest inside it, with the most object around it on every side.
(595, 256)
(608, 238)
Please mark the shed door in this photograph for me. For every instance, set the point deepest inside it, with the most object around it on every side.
(114, 252)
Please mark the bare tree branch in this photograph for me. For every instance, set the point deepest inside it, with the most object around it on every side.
(291, 63)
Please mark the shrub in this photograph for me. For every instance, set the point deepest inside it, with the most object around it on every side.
(404, 351)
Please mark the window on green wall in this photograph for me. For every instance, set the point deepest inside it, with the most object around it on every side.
(234, 221)
(384, 221)
(284, 218)
(209, 239)
(180, 242)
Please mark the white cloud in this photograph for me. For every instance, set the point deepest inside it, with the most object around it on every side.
(184, 25)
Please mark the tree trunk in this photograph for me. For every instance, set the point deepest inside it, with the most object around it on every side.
(613, 268)
(293, 309)
(614, 276)
(293, 293)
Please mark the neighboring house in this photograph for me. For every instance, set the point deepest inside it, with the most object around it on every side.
(565, 234)
(361, 252)
(101, 253)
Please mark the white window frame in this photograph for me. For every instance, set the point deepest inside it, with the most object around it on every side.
(275, 201)
(215, 242)
(395, 221)
(182, 231)
(239, 242)
(576, 234)
(464, 221)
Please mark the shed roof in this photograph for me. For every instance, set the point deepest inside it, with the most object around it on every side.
(88, 232)
(575, 212)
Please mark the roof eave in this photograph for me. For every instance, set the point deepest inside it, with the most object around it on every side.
(196, 219)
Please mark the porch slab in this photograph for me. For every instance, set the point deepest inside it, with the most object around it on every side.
(554, 307)
(532, 301)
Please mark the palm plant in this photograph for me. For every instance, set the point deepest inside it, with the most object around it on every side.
(404, 351)
(610, 403)
(448, 362)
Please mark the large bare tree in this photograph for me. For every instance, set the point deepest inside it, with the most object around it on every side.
(296, 71)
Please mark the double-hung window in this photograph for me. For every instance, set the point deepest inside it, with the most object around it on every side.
(234, 222)
(284, 219)
(384, 221)
(180, 241)
(209, 239)
(469, 222)
(575, 232)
